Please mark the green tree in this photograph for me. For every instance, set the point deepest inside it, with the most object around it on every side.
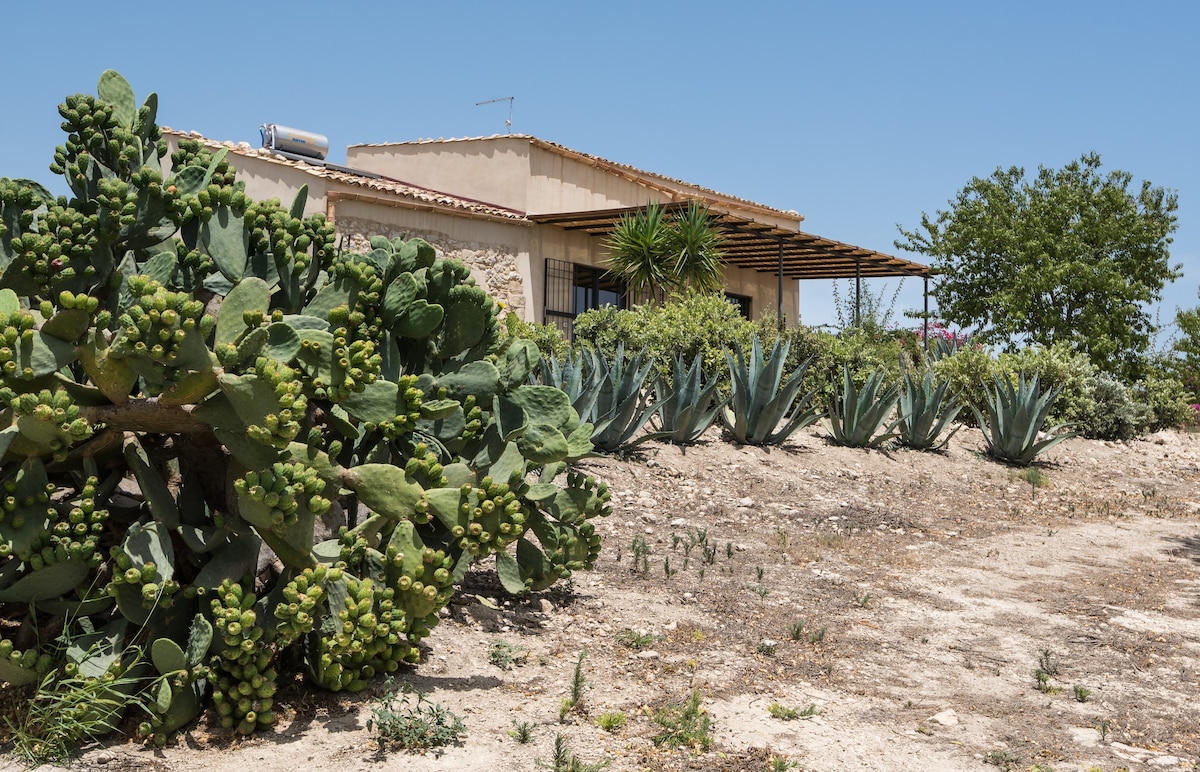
(1072, 255)
(663, 255)
(1187, 346)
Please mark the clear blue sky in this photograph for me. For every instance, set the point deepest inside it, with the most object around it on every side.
(859, 115)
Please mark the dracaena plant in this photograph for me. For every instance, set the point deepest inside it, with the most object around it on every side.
(862, 417)
(688, 402)
(926, 411)
(764, 408)
(241, 381)
(1014, 417)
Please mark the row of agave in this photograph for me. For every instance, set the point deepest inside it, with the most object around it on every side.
(766, 407)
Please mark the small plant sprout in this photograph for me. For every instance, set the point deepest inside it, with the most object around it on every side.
(611, 722)
(863, 600)
(403, 724)
(565, 761)
(1047, 663)
(758, 590)
(759, 573)
(767, 647)
(729, 550)
(1002, 759)
(504, 655)
(637, 639)
(1081, 692)
(687, 725)
(667, 570)
(784, 713)
(816, 636)
(796, 630)
(781, 764)
(641, 555)
(1035, 478)
(574, 701)
(522, 731)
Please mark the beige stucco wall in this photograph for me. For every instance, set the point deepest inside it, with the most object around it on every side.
(494, 171)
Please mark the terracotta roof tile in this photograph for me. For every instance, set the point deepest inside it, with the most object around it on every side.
(380, 184)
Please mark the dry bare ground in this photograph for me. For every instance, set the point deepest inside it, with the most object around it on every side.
(909, 597)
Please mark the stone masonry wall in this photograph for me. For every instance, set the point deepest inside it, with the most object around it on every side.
(493, 266)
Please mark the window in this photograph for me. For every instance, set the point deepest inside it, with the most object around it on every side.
(741, 301)
(572, 289)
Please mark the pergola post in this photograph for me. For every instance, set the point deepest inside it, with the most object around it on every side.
(857, 292)
(925, 335)
(779, 289)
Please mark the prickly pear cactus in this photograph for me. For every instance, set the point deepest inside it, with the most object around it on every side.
(228, 447)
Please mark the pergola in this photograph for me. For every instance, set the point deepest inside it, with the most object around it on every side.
(767, 248)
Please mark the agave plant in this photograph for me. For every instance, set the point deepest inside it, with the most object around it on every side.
(623, 403)
(761, 411)
(1014, 419)
(925, 412)
(574, 377)
(860, 418)
(688, 405)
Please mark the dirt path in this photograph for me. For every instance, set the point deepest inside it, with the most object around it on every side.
(907, 598)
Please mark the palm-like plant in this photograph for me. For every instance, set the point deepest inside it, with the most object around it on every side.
(763, 409)
(859, 418)
(636, 247)
(1014, 419)
(695, 248)
(925, 412)
(658, 254)
(688, 404)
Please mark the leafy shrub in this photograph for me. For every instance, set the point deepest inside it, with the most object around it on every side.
(690, 325)
(402, 723)
(547, 337)
(968, 371)
(1168, 402)
(1108, 410)
(603, 329)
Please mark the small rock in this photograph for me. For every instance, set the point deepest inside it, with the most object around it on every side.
(946, 718)
(647, 654)
(745, 502)
(679, 522)
(1085, 736)
(546, 606)
(1165, 761)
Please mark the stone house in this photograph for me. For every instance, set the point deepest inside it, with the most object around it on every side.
(529, 216)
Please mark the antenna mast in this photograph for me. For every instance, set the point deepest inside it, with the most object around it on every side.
(508, 123)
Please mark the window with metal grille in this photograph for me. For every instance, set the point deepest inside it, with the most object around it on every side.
(571, 289)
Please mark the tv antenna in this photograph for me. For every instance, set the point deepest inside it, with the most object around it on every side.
(508, 123)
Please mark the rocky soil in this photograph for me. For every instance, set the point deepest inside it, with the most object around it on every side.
(904, 600)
